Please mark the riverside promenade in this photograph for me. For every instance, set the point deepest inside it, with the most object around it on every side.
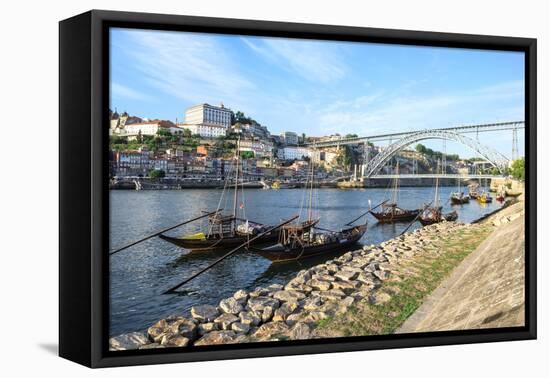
(487, 290)
(444, 276)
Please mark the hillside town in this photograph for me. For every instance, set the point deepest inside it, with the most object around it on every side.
(203, 148)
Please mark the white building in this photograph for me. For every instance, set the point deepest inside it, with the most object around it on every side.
(205, 131)
(146, 128)
(208, 121)
(294, 153)
(260, 148)
(290, 138)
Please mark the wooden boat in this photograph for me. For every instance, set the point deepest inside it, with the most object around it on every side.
(459, 198)
(434, 214)
(297, 244)
(473, 191)
(222, 236)
(390, 211)
(485, 198)
(226, 231)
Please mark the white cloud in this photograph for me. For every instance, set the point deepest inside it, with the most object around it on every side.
(187, 66)
(121, 91)
(317, 61)
(388, 112)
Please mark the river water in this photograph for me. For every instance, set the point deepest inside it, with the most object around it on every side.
(141, 273)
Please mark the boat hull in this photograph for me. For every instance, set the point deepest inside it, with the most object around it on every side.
(459, 201)
(449, 217)
(280, 253)
(391, 218)
(214, 243)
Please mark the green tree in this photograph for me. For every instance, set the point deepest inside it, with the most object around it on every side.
(162, 132)
(247, 154)
(518, 169)
(156, 173)
(420, 148)
(117, 139)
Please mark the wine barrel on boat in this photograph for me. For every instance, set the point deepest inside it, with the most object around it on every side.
(297, 244)
(393, 213)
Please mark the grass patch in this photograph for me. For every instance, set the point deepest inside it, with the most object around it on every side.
(429, 269)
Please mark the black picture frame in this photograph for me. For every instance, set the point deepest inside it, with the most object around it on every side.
(83, 196)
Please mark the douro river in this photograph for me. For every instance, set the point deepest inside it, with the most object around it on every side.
(141, 273)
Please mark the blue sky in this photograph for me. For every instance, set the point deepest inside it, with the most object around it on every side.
(318, 87)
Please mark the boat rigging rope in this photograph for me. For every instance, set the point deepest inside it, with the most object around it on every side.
(226, 181)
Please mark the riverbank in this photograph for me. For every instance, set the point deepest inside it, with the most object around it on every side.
(372, 290)
(179, 184)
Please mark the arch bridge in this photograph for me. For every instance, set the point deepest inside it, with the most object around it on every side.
(400, 141)
(494, 157)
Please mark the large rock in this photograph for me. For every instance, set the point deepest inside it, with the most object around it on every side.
(366, 278)
(272, 330)
(240, 327)
(174, 340)
(207, 327)
(293, 318)
(185, 327)
(250, 318)
(275, 287)
(300, 331)
(319, 285)
(323, 276)
(282, 312)
(172, 325)
(204, 313)
(224, 321)
(304, 274)
(312, 303)
(267, 314)
(332, 268)
(158, 330)
(346, 274)
(288, 295)
(296, 281)
(345, 286)
(241, 296)
(128, 341)
(332, 295)
(258, 292)
(259, 303)
(231, 306)
(216, 338)
(299, 287)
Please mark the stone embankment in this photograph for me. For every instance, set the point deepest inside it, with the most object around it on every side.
(487, 290)
(372, 290)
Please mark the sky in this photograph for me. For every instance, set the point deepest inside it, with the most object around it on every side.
(319, 87)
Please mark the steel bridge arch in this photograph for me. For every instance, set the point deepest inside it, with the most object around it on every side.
(496, 159)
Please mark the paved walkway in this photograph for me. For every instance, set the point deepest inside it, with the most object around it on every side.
(487, 289)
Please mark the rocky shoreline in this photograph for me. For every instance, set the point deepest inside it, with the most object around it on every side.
(296, 310)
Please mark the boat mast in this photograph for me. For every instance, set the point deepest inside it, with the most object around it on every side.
(436, 202)
(236, 178)
(310, 212)
(395, 184)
